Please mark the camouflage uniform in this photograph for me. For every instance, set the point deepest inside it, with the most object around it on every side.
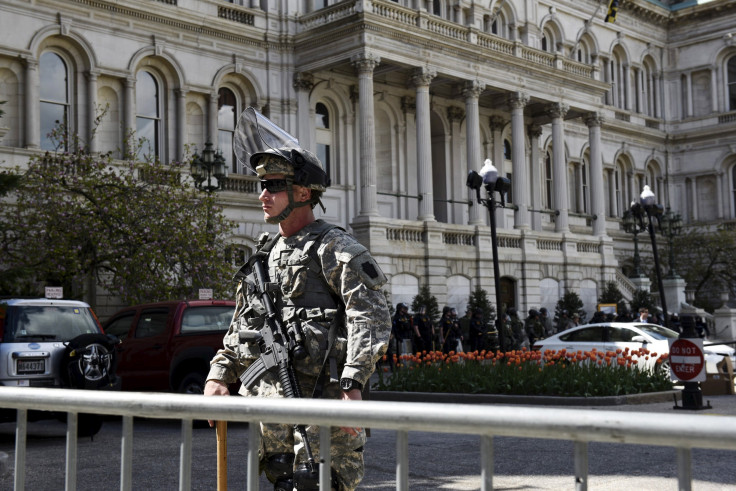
(319, 269)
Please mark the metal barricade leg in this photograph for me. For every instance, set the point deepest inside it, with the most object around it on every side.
(126, 455)
(72, 423)
(325, 466)
(21, 428)
(581, 466)
(402, 461)
(684, 469)
(486, 463)
(254, 443)
(185, 459)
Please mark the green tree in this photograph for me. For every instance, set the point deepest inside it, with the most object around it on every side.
(138, 229)
(479, 300)
(706, 259)
(425, 299)
(571, 302)
(611, 294)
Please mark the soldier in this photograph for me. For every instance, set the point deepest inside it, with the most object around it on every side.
(477, 330)
(329, 285)
(534, 327)
(402, 329)
(520, 339)
(423, 331)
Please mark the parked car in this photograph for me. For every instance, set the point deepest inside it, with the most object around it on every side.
(167, 346)
(610, 336)
(55, 343)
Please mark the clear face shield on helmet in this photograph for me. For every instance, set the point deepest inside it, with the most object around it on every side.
(256, 134)
(263, 147)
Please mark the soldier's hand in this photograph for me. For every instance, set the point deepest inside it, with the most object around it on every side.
(352, 395)
(215, 388)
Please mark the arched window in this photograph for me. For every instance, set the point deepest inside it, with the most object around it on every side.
(226, 119)
(545, 42)
(324, 136)
(507, 150)
(618, 189)
(732, 84)
(548, 189)
(617, 73)
(148, 115)
(584, 203)
(54, 92)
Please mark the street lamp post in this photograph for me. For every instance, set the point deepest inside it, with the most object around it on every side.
(671, 226)
(489, 178)
(647, 206)
(209, 165)
(633, 226)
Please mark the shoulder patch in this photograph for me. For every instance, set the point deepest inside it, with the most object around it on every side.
(349, 252)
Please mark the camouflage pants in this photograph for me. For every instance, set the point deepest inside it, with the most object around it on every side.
(346, 451)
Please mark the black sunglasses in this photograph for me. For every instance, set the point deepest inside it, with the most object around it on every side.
(273, 186)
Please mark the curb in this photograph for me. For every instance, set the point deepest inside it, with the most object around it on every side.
(646, 398)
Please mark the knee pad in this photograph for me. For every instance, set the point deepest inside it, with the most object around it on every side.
(283, 485)
(306, 480)
(279, 466)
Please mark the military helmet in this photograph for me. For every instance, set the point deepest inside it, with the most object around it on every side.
(302, 165)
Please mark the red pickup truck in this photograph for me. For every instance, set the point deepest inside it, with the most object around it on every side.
(167, 346)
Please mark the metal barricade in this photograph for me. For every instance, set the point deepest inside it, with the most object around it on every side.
(577, 425)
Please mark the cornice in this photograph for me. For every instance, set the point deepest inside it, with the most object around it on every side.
(175, 21)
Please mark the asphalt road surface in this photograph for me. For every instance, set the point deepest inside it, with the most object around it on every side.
(437, 461)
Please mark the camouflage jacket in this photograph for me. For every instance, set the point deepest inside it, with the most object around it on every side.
(317, 278)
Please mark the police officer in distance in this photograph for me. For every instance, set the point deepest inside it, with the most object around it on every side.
(328, 281)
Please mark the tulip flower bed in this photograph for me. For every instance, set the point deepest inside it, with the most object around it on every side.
(523, 372)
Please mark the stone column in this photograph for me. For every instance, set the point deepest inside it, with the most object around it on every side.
(129, 118)
(421, 79)
(32, 104)
(471, 92)
(557, 112)
(520, 181)
(497, 124)
(181, 123)
(597, 203)
(656, 89)
(212, 119)
(91, 111)
(365, 63)
(536, 179)
(303, 84)
(631, 192)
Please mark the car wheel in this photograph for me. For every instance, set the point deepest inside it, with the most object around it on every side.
(88, 362)
(192, 383)
(664, 367)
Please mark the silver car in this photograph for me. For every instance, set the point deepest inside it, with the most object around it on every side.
(55, 343)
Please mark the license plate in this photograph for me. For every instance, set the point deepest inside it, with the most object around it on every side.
(26, 367)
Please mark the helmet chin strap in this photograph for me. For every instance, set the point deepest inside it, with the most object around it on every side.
(290, 207)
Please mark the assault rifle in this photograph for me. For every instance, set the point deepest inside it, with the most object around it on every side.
(279, 346)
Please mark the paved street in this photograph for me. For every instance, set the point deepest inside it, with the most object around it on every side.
(437, 461)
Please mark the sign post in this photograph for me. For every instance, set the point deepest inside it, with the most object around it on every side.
(688, 365)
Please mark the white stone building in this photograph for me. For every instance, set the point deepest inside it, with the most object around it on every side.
(401, 99)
